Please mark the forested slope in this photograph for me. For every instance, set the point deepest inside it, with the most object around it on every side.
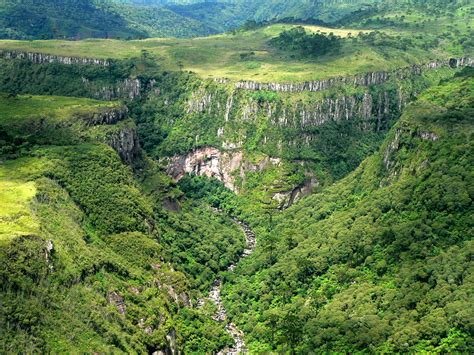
(85, 246)
(382, 259)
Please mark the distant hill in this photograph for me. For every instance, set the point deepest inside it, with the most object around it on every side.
(44, 19)
(78, 19)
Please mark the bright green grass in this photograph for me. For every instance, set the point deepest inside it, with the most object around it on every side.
(220, 56)
(25, 107)
(16, 193)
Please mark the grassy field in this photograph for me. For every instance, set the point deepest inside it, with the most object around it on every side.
(25, 107)
(16, 193)
(246, 55)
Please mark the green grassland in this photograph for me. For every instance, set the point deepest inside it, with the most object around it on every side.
(58, 108)
(247, 55)
(15, 214)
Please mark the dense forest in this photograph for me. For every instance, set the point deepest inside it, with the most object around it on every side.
(266, 177)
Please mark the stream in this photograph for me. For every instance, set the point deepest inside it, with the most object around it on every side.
(215, 296)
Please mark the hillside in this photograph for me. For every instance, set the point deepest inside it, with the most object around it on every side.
(46, 19)
(126, 19)
(81, 264)
(381, 260)
(249, 55)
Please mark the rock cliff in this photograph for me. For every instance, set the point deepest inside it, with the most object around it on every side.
(230, 166)
(367, 79)
(41, 58)
(125, 142)
(107, 116)
(113, 127)
(210, 162)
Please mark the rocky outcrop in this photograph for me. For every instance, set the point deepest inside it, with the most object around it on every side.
(366, 79)
(120, 133)
(373, 107)
(334, 109)
(391, 149)
(171, 348)
(126, 89)
(210, 162)
(428, 136)
(107, 116)
(41, 58)
(118, 301)
(288, 198)
(125, 142)
(226, 166)
(49, 251)
(461, 62)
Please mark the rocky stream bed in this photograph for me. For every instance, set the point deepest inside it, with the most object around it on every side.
(215, 296)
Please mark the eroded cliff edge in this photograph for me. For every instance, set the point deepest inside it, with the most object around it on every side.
(297, 136)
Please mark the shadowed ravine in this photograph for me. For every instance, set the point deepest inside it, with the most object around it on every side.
(215, 296)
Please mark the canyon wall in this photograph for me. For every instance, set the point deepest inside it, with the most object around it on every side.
(209, 127)
(114, 127)
(366, 79)
(328, 126)
(42, 58)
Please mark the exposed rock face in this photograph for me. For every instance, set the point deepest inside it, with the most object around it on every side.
(334, 109)
(301, 115)
(428, 136)
(286, 199)
(171, 338)
(40, 58)
(49, 250)
(227, 166)
(126, 89)
(211, 162)
(208, 162)
(123, 139)
(392, 149)
(367, 79)
(108, 116)
(125, 143)
(116, 299)
(461, 62)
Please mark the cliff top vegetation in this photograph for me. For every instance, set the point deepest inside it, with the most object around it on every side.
(249, 55)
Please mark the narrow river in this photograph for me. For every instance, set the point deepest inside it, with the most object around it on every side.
(215, 296)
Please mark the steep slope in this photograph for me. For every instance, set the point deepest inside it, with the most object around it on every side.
(48, 19)
(260, 10)
(82, 266)
(276, 140)
(382, 259)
